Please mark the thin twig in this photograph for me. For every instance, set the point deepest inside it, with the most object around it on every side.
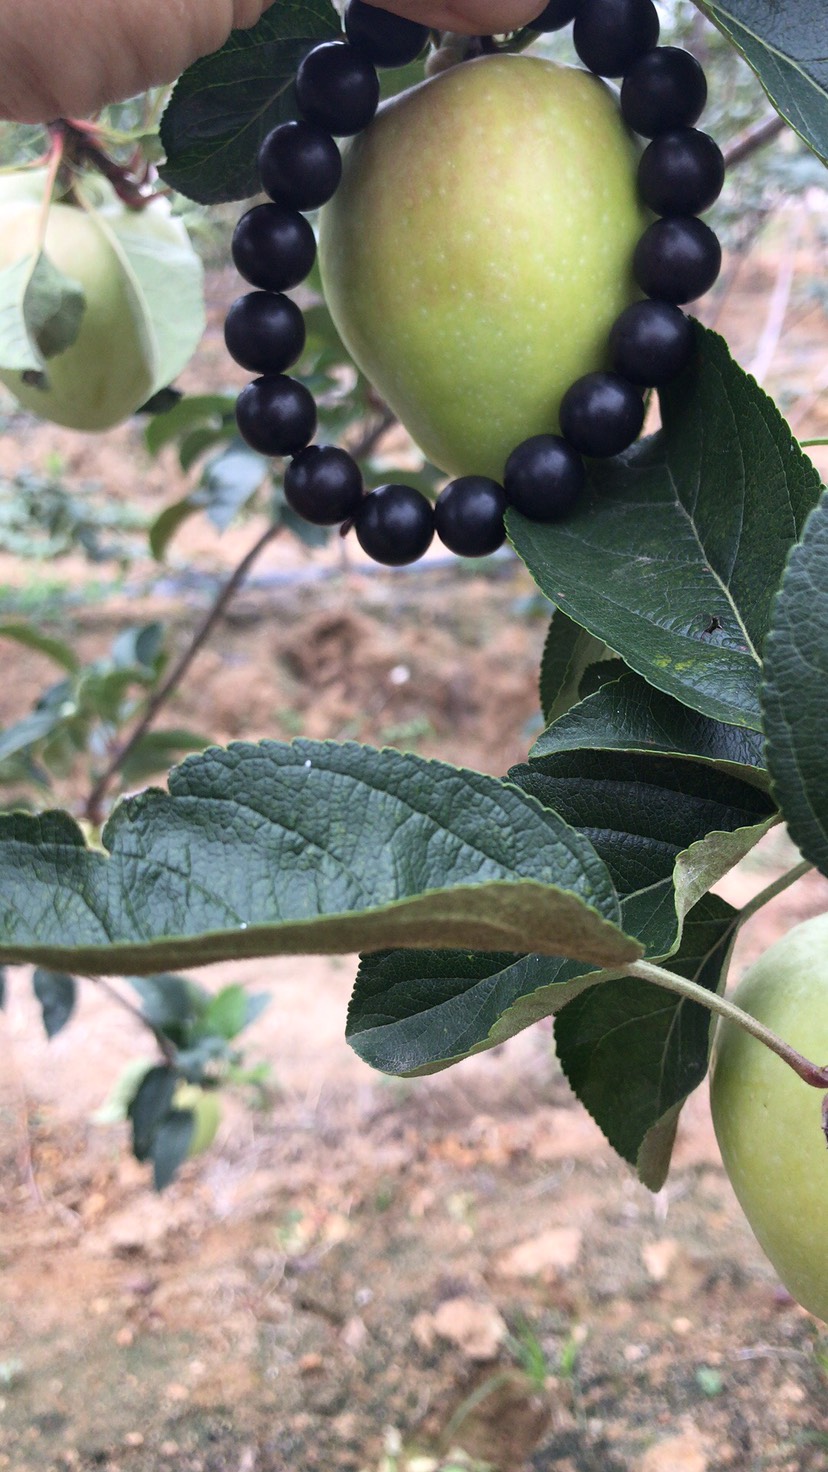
(753, 138)
(93, 810)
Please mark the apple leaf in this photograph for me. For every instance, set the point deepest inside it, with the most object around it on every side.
(57, 994)
(567, 654)
(170, 278)
(633, 1051)
(31, 637)
(793, 695)
(40, 313)
(667, 829)
(627, 714)
(417, 1012)
(224, 105)
(785, 45)
(676, 552)
(276, 849)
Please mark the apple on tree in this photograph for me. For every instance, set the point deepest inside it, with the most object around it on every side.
(135, 286)
(768, 1121)
(479, 249)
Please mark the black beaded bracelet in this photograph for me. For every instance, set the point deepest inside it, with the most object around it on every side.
(677, 259)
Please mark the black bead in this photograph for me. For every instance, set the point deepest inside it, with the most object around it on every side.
(544, 478)
(665, 89)
(681, 173)
(677, 260)
(299, 165)
(601, 414)
(264, 332)
(395, 525)
(276, 415)
(610, 35)
(273, 247)
(323, 484)
(469, 516)
(386, 39)
(337, 88)
(557, 14)
(651, 342)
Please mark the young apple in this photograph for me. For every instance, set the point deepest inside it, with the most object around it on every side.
(768, 1122)
(479, 249)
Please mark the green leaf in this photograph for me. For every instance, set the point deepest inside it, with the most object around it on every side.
(416, 1012)
(275, 849)
(667, 830)
(150, 1104)
(140, 646)
(167, 523)
(629, 715)
(191, 411)
(633, 1051)
(785, 45)
(223, 105)
(793, 695)
(156, 752)
(57, 994)
(170, 1145)
(170, 278)
(227, 484)
(678, 548)
(40, 313)
(172, 1004)
(226, 1014)
(33, 638)
(569, 650)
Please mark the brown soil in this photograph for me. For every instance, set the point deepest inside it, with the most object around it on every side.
(364, 1274)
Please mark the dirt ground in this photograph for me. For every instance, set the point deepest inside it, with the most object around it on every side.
(368, 1275)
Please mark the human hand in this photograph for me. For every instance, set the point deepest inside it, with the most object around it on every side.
(68, 58)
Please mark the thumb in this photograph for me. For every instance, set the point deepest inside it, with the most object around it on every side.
(68, 58)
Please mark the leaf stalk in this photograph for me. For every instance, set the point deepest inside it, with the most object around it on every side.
(809, 1072)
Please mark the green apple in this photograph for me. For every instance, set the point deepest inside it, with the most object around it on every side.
(142, 300)
(106, 373)
(768, 1122)
(479, 249)
(204, 1106)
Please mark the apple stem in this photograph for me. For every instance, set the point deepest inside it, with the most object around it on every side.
(809, 1072)
(771, 891)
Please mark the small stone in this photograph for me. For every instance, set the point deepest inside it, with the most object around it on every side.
(476, 1328)
(310, 1364)
(658, 1258)
(354, 1333)
(684, 1453)
(544, 1256)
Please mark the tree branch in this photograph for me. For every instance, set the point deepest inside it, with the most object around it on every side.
(753, 139)
(93, 810)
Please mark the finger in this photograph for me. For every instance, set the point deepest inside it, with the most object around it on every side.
(107, 49)
(473, 17)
